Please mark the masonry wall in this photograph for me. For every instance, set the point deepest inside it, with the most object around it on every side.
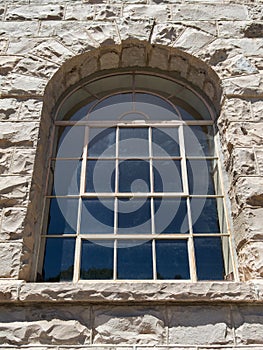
(48, 46)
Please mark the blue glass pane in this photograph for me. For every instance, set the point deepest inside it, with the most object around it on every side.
(134, 215)
(82, 112)
(167, 176)
(97, 216)
(96, 260)
(205, 215)
(59, 259)
(112, 108)
(198, 140)
(134, 176)
(200, 176)
(171, 215)
(134, 262)
(172, 259)
(70, 142)
(165, 142)
(66, 177)
(209, 258)
(100, 176)
(133, 142)
(63, 213)
(102, 142)
(155, 107)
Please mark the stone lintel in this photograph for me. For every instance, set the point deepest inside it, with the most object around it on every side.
(125, 292)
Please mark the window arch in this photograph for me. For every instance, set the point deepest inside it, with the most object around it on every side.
(135, 191)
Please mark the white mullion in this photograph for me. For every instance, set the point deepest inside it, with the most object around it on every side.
(152, 203)
(76, 272)
(115, 259)
(116, 204)
(84, 163)
(154, 260)
(183, 160)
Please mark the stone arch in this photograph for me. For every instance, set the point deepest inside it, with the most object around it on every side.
(130, 54)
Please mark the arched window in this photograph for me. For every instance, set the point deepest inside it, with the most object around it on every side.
(135, 188)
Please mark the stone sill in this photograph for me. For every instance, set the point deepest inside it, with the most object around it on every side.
(123, 292)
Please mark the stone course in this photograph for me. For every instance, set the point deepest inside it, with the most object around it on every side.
(48, 46)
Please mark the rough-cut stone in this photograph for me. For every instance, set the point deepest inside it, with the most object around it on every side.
(30, 109)
(36, 67)
(139, 12)
(192, 40)
(18, 133)
(15, 30)
(9, 108)
(166, 33)
(109, 60)
(7, 63)
(13, 190)
(23, 85)
(133, 56)
(196, 325)
(47, 12)
(254, 30)
(23, 161)
(259, 160)
(12, 223)
(79, 12)
(242, 162)
(250, 258)
(236, 109)
(5, 160)
(129, 29)
(133, 326)
(10, 255)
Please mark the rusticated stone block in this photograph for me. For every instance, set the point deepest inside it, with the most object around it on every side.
(133, 56)
(249, 85)
(109, 60)
(242, 162)
(79, 12)
(180, 65)
(129, 29)
(10, 260)
(13, 30)
(194, 325)
(107, 12)
(166, 33)
(236, 109)
(18, 133)
(52, 50)
(192, 40)
(140, 12)
(13, 190)
(259, 159)
(249, 191)
(7, 64)
(12, 223)
(23, 161)
(9, 108)
(128, 326)
(257, 109)
(5, 160)
(23, 85)
(30, 12)
(36, 67)
(30, 109)
(250, 258)
(159, 58)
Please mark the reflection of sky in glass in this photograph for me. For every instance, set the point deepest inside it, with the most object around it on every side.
(172, 259)
(170, 215)
(198, 140)
(133, 142)
(63, 214)
(96, 260)
(102, 142)
(134, 176)
(134, 216)
(59, 259)
(200, 176)
(135, 262)
(170, 178)
(97, 216)
(70, 142)
(165, 142)
(209, 259)
(100, 176)
(204, 215)
(66, 177)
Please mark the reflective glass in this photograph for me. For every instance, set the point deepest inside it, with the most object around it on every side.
(63, 213)
(134, 215)
(205, 215)
(100, 176)
(198, 140)
(134, 176)
(102, 142)
(209, 258)
(134, 262)
(155, 107)
(167, 176)
(66, 177)
(133, 142)
(97, 216)
(96, 260)
(112, 108)
(172, 259)
(170, 215)
(165, 142)
(70, 142)
(201, 176)
(59, 259)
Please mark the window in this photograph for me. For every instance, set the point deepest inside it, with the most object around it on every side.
(134, 189)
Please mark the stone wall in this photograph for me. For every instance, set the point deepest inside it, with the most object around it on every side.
(48, 46)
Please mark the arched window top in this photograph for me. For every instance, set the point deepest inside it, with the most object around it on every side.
(133, 96)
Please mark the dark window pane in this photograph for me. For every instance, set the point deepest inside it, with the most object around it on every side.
(112, 108)
(200, 176)
(167, 176)
(101, 142)
(155, 107)
(59, 259)
(198, 140)
(134, 262)
(134, 176)
(133, 142)
(171, 215)
(70, 142)
(165, 142)
(172, 259)
(63, 213)
(205, 215)
(209, 259)
(100, 176)
(97, 216)
(66, 177)
(96, 260)
(134, 215)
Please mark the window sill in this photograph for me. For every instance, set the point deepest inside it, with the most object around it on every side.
(119, 292)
